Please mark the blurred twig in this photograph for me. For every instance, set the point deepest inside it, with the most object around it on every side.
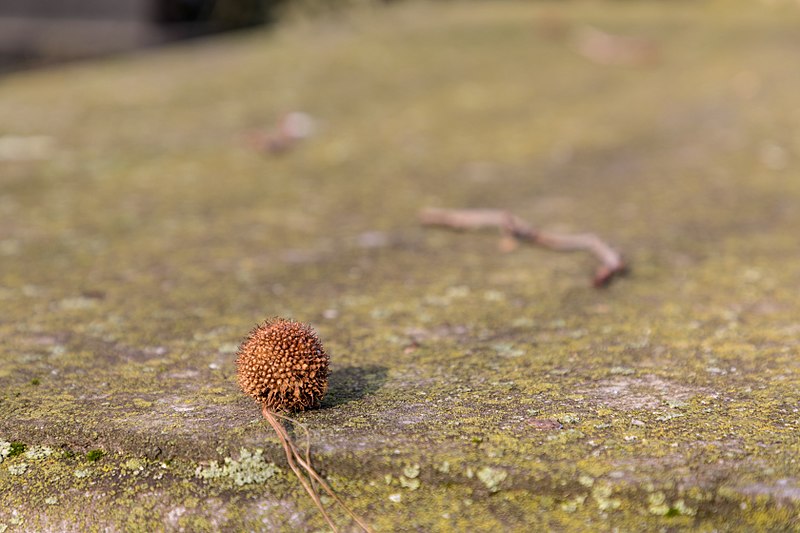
(611, 263)
(290, 130)
(619, 50)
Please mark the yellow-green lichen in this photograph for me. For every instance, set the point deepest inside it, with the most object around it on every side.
(572, 505)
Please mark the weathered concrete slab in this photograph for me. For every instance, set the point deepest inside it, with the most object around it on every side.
(471, 390)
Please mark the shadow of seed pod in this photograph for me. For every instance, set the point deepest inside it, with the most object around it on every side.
(283, 366)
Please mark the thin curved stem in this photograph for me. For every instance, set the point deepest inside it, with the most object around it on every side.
(291, 453)
(305, 430)
(314, 476)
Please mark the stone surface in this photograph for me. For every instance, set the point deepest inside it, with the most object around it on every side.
(470, 389)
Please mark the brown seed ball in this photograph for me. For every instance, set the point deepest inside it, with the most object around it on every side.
(283, 365)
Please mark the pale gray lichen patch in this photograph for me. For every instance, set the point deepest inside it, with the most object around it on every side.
(492, 477)
(602, 497)
(411, 471)
(18, 469)
(39, 452)
(410, 484)
(251, 467)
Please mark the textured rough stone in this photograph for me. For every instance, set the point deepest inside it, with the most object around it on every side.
(149, 238)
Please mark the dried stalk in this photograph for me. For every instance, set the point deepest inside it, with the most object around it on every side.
(294, 458)
(611, 263)
(285, 441)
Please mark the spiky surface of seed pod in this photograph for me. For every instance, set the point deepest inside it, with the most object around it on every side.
(283, 365)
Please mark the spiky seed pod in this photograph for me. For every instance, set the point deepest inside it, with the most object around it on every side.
(283, 365)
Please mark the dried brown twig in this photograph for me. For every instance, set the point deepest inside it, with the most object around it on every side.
(609, 49)
(611, 263)
(290, 130)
